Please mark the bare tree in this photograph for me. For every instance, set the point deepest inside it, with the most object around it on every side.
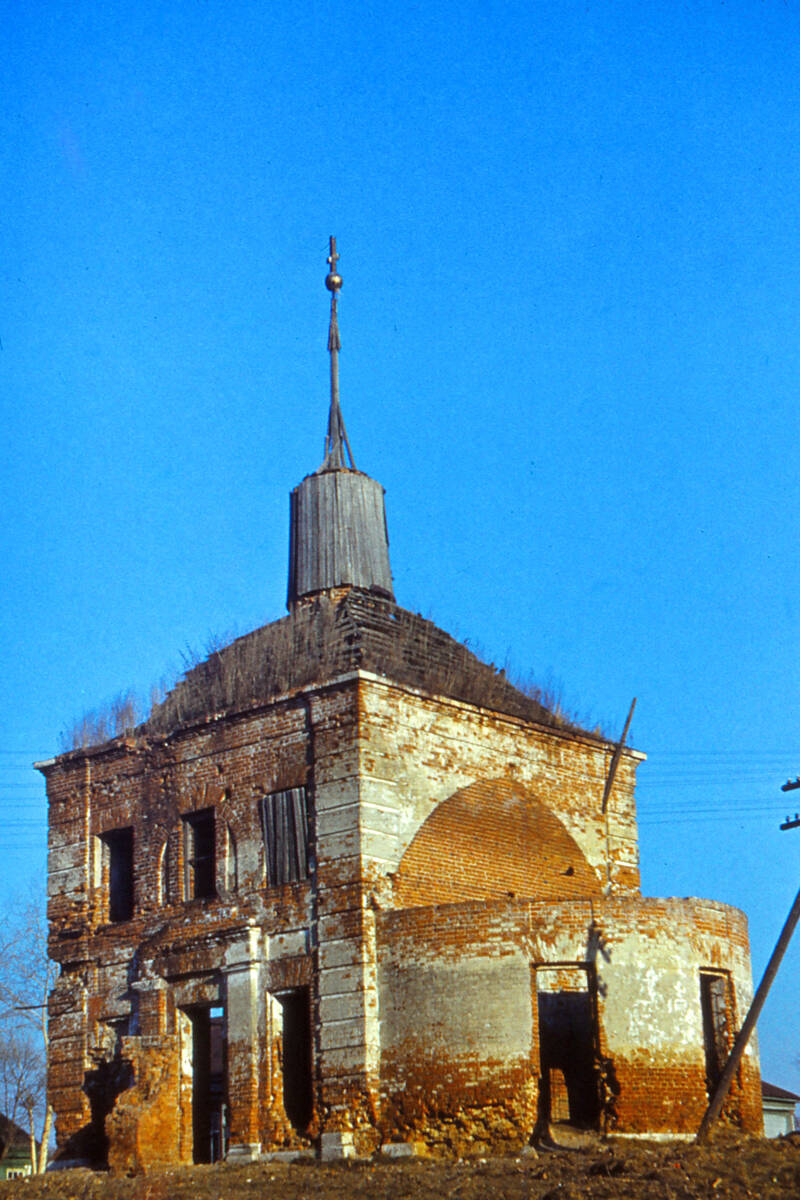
(22, 1075)
(26, 977)
(23, 1082)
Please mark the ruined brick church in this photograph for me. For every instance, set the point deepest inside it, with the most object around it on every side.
(347, 889)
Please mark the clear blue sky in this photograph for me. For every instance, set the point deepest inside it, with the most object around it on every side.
(569, 239)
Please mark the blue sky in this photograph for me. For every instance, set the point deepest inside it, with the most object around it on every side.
(569, 240)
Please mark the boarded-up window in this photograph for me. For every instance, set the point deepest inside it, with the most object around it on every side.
(285, 822)
(199, 857)
(716, 1001)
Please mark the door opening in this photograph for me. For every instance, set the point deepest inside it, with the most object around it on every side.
(716, 1002)
(570, 1089)
(209, 1098)
(296, 1058)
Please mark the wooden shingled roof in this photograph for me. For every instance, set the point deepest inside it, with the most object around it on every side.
(337, 535)
(329, 635)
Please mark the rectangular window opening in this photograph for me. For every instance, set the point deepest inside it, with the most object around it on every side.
(199, 855)
(117, 849)
(284, 818)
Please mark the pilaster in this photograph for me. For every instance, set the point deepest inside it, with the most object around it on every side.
(244, 1012)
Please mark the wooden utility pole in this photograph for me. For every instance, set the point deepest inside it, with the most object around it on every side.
(743, 1037)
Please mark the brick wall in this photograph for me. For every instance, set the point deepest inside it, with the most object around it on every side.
(492, 839)
(418, 750)
(414, 799)
(200, 951)
(458, 987)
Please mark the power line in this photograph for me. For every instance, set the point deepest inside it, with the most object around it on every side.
(726, 819)
(652, 803)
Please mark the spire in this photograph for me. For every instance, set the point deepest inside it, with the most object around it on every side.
(336, 441)
(337, 516)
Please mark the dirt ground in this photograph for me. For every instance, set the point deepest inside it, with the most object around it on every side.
(729, 1167)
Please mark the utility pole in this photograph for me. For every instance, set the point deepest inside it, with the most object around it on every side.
(743, 1036)
(791, 785)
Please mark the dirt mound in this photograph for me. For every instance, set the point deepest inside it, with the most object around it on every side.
(730, 1167)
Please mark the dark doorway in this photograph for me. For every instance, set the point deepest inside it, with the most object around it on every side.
(298, 1091)
(209, 1100)
(716, 1002)
(567, 1047)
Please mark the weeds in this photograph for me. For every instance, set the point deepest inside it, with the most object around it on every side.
(321, 639)
(120, 716)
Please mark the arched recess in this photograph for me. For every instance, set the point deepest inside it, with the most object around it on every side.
(487, 840)
(164, 882)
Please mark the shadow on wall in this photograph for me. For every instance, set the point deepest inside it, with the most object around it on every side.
(102, 1086)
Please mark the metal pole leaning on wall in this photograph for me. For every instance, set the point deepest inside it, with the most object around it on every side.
(743, 1037)
(612, 774)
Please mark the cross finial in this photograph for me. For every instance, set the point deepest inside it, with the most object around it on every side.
(336, 439)
(333, 258)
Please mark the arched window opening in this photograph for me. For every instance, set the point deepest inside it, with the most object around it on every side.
(164, 893)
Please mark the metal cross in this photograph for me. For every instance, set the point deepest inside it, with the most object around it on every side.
(333, 257)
